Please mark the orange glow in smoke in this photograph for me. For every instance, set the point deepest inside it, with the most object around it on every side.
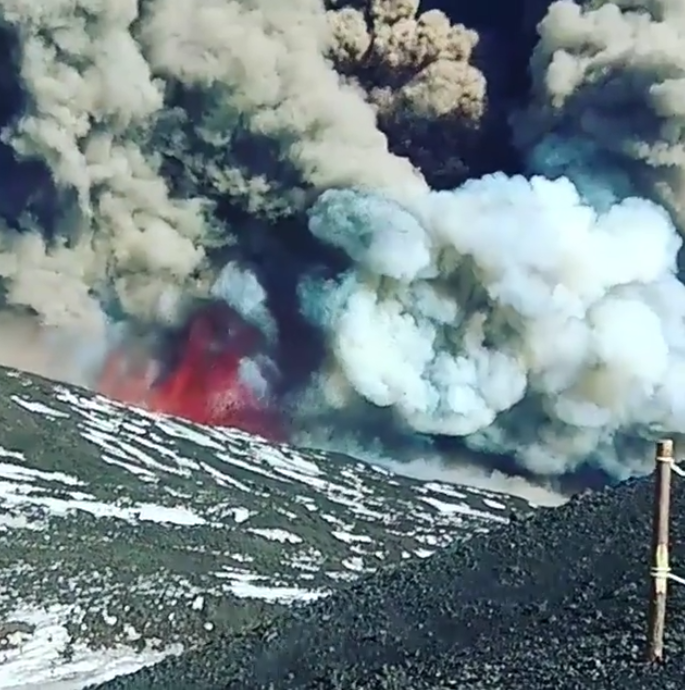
(204, 384)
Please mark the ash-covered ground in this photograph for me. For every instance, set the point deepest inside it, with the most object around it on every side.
(554, 600)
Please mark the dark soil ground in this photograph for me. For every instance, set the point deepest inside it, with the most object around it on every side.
(555, 600)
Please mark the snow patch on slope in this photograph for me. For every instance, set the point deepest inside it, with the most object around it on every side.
(245, 518)
(39, 655)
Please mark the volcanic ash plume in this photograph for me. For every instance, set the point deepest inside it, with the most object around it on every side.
(100, 78)
(120, 236)
(417, 69)
(260, 73)
(60, 353)
(109, 243)
(608, 84)
(512, 313)
(180, 139)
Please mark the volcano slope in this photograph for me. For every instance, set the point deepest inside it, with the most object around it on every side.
(125, 536)
(555, 601)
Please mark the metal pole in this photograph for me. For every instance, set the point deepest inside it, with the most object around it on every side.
(660, 565)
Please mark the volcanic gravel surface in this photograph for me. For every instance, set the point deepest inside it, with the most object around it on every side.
(556, 601)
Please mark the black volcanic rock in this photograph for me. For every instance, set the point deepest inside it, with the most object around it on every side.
(555, 602)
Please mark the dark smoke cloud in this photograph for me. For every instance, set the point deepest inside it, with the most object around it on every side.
(417, 70)
(117, 233)
(292, 125)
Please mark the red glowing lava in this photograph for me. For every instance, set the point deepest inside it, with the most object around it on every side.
(206, 381)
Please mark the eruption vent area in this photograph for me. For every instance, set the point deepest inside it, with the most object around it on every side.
(213, 370)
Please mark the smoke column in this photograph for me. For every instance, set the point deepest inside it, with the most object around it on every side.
(607, 97)
(536, 319)
(91, 91)
(95, 75)
(265, 73)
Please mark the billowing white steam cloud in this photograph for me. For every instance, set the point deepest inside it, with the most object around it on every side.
(240, 289)
(505, 307)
